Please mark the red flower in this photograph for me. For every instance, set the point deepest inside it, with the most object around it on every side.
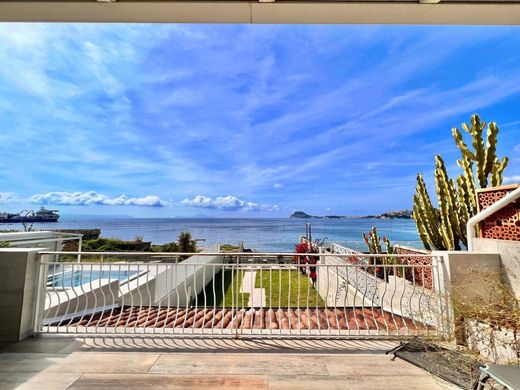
(301, 247)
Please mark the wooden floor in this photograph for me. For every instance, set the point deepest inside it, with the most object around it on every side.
(166, 363)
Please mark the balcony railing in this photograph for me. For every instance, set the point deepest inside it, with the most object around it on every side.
(238, 294)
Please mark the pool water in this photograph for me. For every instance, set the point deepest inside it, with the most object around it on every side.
(69, 279)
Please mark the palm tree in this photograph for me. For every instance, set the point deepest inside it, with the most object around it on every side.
(186, 243)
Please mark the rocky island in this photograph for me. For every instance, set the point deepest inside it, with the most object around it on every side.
(399, 214)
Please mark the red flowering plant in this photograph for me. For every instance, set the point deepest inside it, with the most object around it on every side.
(302, 247)
(312, 268)
(308, 248)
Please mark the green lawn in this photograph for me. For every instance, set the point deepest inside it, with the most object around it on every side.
(240, 299)
(279, 293)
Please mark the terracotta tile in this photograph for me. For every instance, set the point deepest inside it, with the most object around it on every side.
(350, 319)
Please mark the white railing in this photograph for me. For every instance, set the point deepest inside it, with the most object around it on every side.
(141, 293)
(336, 248)
(343, 250)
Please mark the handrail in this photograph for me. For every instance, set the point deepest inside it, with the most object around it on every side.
(473, 221)
(225, 254)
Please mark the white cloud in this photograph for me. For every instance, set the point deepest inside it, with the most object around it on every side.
(512, 179)
(277, 186)
(93, 198)
(8, 197)
(228, 202)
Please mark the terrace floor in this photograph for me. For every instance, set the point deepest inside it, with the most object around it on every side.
(115, 362)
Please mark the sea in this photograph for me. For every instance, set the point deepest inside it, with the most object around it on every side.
(259, 234)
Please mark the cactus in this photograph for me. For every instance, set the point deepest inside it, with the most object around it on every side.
(445, 227)
(484, 154)
(373, 241)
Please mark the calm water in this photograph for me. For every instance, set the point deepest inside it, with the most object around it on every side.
(259, 234)
(68, 279)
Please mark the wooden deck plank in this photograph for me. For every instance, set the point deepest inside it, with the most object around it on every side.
(173, 382)
(165, 363)
(299, 382)
(239, 364)
(28, 362)
(37, 381)
(110, 362)
(383, 382)
(38, 344)
(374, 381)
(382, 365)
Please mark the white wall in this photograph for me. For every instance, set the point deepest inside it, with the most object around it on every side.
(509, 252)
(17, 292)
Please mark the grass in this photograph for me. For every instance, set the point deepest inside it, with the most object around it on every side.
(229, 290)
(279, 293)
(106, 259)
(228, 247)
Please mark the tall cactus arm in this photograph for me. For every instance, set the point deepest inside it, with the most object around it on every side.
(477, 128)
(464, 207)
(491, 148)
(464, 198)
(373, 241)
(421, 228)
(498, 171)
(469, 181)
(454, 212)
(376, 241)
(427, 215)
(457, 136)
(428, 225)
(444, 200)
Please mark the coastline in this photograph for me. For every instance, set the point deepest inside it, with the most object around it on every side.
(268, 234)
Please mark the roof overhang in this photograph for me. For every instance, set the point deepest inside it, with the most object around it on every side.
(472, 12)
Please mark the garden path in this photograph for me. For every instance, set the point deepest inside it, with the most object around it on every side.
(256, 295)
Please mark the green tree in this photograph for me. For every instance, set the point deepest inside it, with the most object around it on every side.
(186, 243)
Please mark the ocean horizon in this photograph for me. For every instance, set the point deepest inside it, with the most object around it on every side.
(261, 234)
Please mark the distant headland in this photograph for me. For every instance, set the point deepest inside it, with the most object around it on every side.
(399, 214)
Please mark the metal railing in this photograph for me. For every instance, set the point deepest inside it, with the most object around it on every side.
(161, 293)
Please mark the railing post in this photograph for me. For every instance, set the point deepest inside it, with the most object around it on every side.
(234, 315)
(80, 244)
(441, 284)
(40, 295)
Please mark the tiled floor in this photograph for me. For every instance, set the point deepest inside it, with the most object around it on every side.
(349, 320)
(166, 363)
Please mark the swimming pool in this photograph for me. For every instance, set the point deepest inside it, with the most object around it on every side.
(69, 279)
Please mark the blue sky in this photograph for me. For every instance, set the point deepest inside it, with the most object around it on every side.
(243, 121)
